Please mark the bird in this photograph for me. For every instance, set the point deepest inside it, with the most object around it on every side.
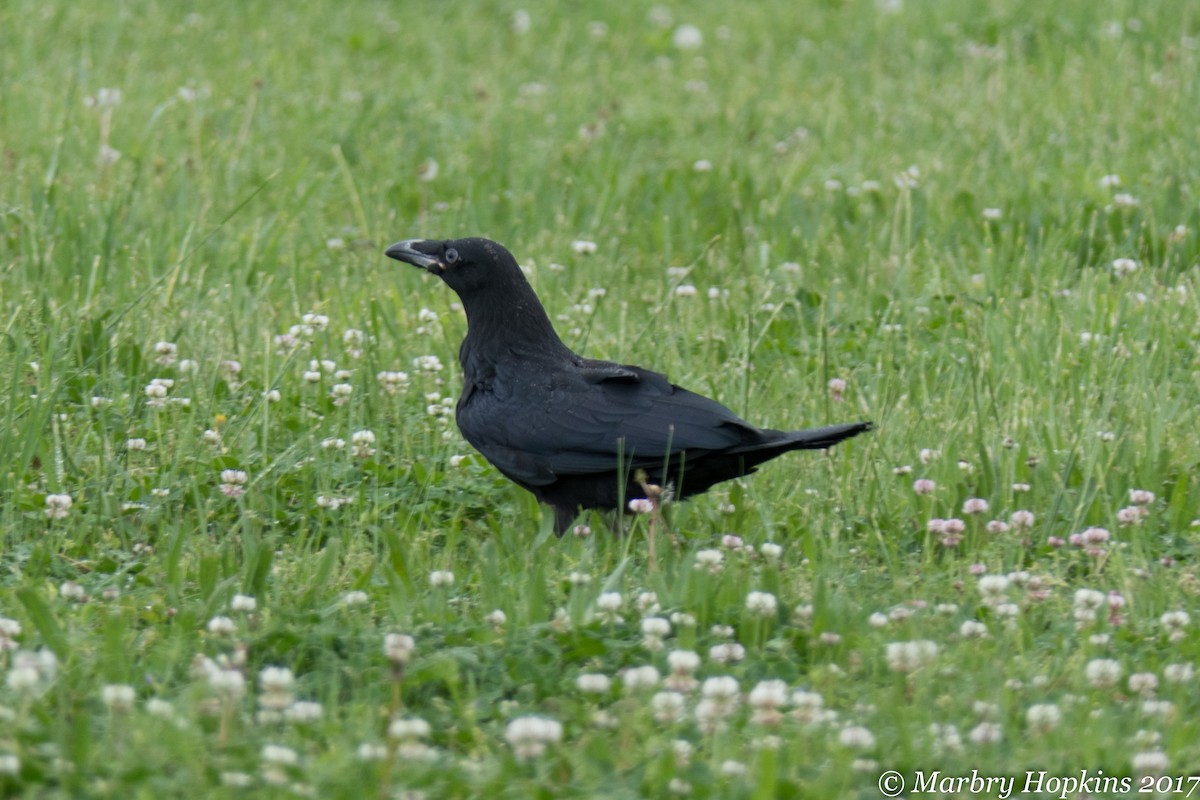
(580, 433)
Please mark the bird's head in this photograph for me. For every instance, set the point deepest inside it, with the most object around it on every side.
(466, 265)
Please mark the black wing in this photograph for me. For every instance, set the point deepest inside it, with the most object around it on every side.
(592, 417)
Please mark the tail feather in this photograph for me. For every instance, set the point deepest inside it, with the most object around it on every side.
(828, 436)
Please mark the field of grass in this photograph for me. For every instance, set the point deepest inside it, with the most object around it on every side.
(245, 552)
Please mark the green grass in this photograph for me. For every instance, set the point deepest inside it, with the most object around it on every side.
(267, 189)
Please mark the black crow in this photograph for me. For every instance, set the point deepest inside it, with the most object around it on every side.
(576, 432)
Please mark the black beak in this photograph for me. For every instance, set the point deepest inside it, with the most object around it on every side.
(406, 251)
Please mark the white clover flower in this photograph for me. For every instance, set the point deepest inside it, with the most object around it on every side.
(1088, 599)
(340, 393)
(656, 626)
(992, 588)
(1043, 717)
(368, 751)
(9, 630)
(766, 698)
(361, 443)
(398, 648)
(355, 597)
(236, 780)
(427, 363)
(521, 22)
(711, 561)
(910, 656)
(427, 170)
(726, 653)
(166, 353)
(233, 482)
(103, 98)
(317, 322)
(244, 603)
(1125, 200)
(222, 626)
(856, 737)
(975, 505)
(687, 37)
(276, 679)
(1141, 497)
(439, 578)
(721, 687)
(529, 736)
(973, 629)
(233, 476)
(1157, 708)
(157, 707)
(643, 677)
(609, 602)
(58, 505)
(683, 661)
(1150, 762)
(641, 505)
(1143, 683)
(761, 604)
(1175, 623)
(1103, 673)
(986, 733)
(668, 707)
(809, 706)
(647, 603)
(593, 683)
(409, 728)
(276, 684)
(1124, 266)
(118, 697)
(992, 214)
(304, 712)
(280, 755)
(354, 339)
(23, 679)
(228, 683)
(682, 619)
(1022, 519)
(583, 247)
(771, 551)
(1178, 673)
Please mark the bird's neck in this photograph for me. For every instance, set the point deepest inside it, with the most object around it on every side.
(501, 324)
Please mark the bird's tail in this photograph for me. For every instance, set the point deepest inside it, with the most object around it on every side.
(820, 438)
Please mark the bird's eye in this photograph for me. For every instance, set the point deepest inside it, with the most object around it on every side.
(451, 256)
